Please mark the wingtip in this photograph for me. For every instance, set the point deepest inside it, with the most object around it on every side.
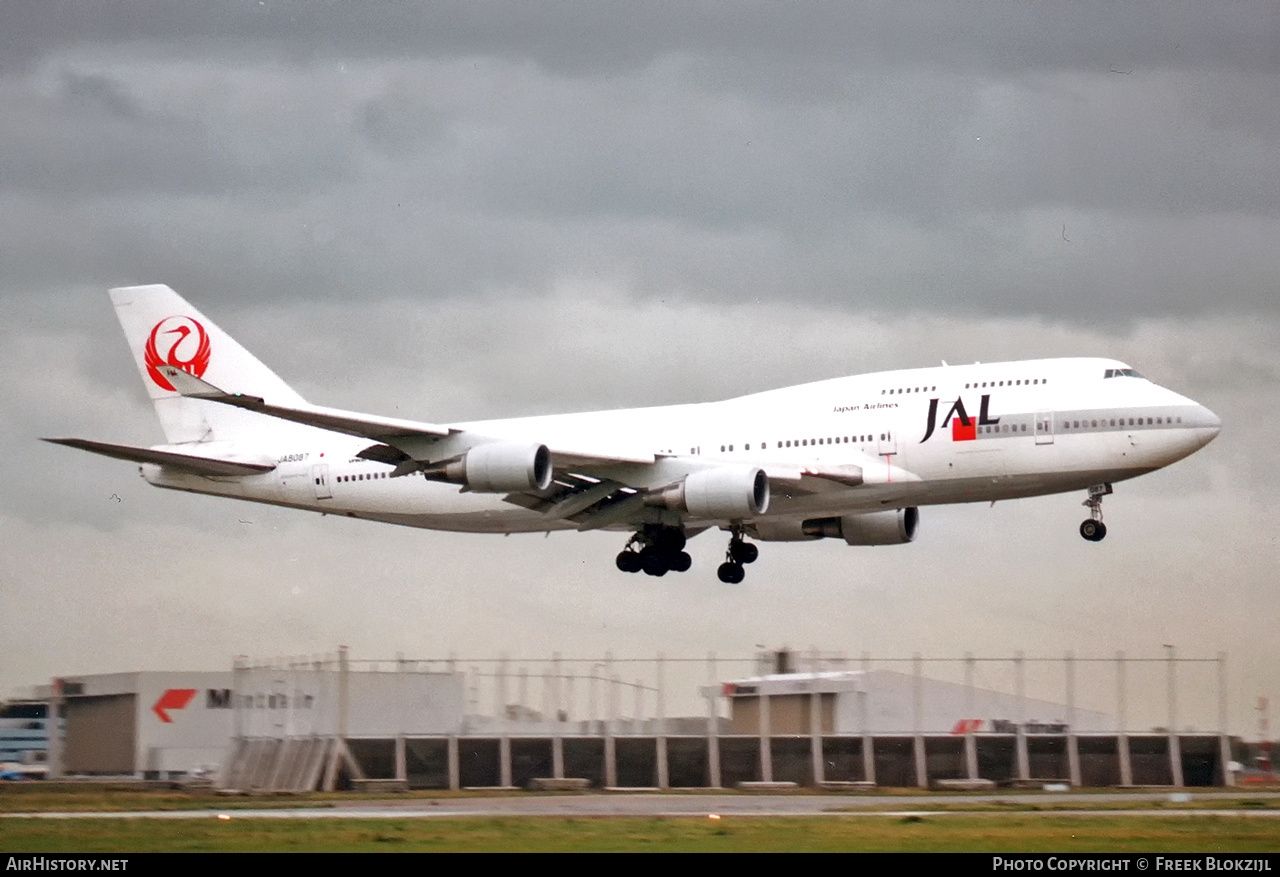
(188, 384)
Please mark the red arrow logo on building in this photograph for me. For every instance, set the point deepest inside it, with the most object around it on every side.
(173, 699)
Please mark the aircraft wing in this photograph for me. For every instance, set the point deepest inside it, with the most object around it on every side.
(383, 429)
(172, 459)
(578, 458)
(404, 436)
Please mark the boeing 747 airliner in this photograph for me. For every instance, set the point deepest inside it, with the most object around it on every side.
(850, 458)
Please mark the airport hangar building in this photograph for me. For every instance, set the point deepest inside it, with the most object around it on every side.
(322, 724)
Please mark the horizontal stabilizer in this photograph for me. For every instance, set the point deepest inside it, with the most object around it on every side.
(171, 459)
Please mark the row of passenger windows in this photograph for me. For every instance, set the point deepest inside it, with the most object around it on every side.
(1086, 424)
(1119, 421)
(982, 430)
(1016, 383)
(366, 476)
(1024, 382)
(804, 443)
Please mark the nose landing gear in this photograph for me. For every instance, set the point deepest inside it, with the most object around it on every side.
(1093, 529)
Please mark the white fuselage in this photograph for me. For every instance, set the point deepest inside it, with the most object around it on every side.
(948, 434)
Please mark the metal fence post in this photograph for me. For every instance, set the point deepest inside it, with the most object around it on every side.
(713, 725)
(1024, 761)
(1175, 747)
(504, 726)
(970, 741)
(660, 736)
(815, 730)
(1224, 741)
(402, 761)
(611, 744)
(917, 721)
(868, 741)
(1073, 741)
(557, 716)
(766, 747)
(1122, 723)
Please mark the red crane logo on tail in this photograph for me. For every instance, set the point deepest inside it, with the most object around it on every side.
(185, 344)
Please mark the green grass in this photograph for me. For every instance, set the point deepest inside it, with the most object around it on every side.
(995, 833)
(1090, 804)
(1007, 825)
(89, 797)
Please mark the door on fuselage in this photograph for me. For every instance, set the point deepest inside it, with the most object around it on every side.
(1044, 427)
(888, 443)
(320, 480)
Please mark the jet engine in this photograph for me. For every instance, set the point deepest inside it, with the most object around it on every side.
(781, 530)
(497, 467)
(728, 492)
(894, 527)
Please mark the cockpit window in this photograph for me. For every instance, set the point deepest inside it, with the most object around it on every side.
(1122, 373)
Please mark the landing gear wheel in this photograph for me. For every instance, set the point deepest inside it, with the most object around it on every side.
(731, 573)
(656, 551)
(1094, 531)
(739, 553)
(629, 561)
(653, 562)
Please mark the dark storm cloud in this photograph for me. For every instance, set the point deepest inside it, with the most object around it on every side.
(87, 136)
(596, 37)
(1085, 160)
(90, 137)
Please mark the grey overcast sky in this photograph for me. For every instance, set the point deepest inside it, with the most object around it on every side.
(459, 210)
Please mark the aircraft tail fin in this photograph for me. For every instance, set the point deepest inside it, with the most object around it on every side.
(162, 328)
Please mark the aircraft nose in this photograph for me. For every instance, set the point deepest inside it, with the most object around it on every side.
(1208, 425)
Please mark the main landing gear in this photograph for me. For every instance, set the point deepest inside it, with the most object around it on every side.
(657, 551)
(738, 554)
(1093, 529)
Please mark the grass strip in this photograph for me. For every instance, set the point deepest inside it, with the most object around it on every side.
(989, 833)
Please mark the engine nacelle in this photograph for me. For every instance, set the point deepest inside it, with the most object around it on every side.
(497, 467)
(781, 530)
(729, 492)
(895, 527)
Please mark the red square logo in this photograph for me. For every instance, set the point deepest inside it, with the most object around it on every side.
(962, 433)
